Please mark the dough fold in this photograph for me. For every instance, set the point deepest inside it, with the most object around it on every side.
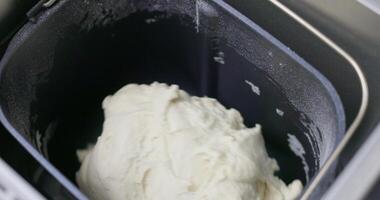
(159, 143)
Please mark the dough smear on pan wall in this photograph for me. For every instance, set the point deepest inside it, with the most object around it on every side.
(159, 143)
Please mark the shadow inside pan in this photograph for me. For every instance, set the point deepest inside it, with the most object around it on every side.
(89, 66)
(53, 84)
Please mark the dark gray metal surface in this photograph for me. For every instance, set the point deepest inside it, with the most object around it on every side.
(12, 17)
(360, 175)
(352, 26)
(355, 25)
(249, 51)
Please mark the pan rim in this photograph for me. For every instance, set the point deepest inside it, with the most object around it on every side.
(364, 100)
(27, 28)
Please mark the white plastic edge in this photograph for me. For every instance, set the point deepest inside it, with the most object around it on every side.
(14, 186)
(361, 174)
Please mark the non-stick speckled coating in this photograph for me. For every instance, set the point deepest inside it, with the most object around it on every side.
(56, 73)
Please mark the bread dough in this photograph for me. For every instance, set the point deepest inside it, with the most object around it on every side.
(159, 143)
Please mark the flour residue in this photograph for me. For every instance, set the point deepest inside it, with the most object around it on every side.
(297, 148)
(280, 112)
(255, 89)
(197, 20)
(219, 58)
(150, 20)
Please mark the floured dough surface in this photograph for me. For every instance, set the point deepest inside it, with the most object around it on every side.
(159, 143)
